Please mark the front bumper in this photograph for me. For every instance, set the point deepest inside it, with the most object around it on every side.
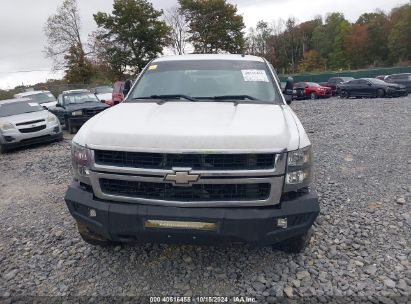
(125, 222)
(14, 138)
(399, 93)
(324, 94)
(77, 122)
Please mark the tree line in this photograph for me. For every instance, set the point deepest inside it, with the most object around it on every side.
(374, 40)
(135, 32)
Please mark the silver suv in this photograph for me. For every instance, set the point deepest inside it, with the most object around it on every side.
(23, 122)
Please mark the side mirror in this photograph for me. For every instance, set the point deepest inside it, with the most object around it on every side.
(127, 87)
(288, 90)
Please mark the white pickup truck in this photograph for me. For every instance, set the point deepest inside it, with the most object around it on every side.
(204, 149)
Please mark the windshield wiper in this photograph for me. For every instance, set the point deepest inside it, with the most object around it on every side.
(234, 97)
(168, 97)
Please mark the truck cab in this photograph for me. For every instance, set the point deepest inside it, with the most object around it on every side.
(204, 149)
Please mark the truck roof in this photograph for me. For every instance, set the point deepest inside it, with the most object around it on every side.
(209, 57)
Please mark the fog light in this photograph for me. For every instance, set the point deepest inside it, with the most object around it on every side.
(296, 177)
(282, 222)
(92, 213)
(83, 171)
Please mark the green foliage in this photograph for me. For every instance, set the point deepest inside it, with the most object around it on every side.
(78, 67)
(5, 94)
(367, 18)
(377, 43)
(133, 33)
(214, 26)
(338, 56)
(399, 39)
(376, 39)
(312, 61)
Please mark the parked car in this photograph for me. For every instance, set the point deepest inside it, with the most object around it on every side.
(334, 82)
(23, 122)
(299, 91)
(44, 98)
(314, 90)
(371, 87)
(205, 149)
(117, 95)
(403, 79)
(104, 94)
(75, 107)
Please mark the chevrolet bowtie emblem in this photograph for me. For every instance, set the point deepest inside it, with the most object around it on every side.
(182, 178)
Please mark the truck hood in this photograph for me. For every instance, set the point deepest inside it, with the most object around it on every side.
(192, 127)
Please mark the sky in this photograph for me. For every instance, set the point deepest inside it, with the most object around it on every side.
(22, 39)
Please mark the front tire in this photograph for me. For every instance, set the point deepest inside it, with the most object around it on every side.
(70, 128)
(313, 96)
(93, 238)
(65, 126)
(344, 94)
(297, 244)
(380, 93)
(2, 149)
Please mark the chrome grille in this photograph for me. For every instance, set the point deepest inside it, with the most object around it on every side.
(167, 161)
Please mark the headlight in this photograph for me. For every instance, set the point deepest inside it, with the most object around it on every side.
(298, 173)
(4, 126)
(51, 118)
(77, 113)
(299, 157)
(81, 160)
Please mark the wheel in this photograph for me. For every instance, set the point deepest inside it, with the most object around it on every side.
(313, 95)
(2, 149)
(380, 93)
(65, 126)
(93, 238)
(71, 129)
(344, 94)
(297, 244)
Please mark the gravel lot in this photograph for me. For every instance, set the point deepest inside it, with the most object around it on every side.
(361, 245)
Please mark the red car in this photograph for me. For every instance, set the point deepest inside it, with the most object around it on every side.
(314, 90)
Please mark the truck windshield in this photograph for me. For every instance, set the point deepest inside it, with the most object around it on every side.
(21, 107)
(218, 80)
(80, 98)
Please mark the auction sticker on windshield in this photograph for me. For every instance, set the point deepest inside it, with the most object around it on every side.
(255, 75)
